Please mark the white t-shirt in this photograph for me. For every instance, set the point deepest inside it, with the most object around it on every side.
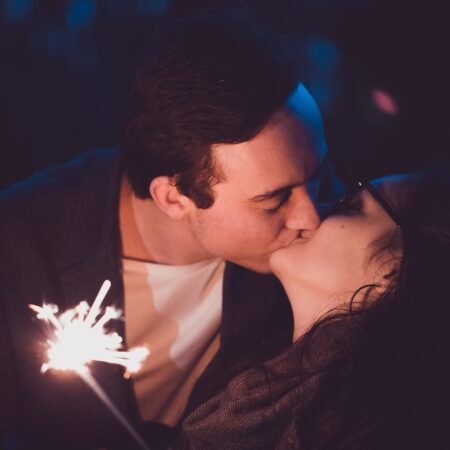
(176, 312)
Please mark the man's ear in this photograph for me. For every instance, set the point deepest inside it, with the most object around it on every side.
(168, 198)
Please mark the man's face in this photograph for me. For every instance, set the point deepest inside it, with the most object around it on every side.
(270, 183)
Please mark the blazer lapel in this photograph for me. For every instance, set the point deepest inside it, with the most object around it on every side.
(255, 312)
(93, 255)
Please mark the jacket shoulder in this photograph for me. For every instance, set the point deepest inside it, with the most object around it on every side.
(45, 208)
(57, 181)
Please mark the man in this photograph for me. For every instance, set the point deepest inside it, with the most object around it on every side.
(222, 158)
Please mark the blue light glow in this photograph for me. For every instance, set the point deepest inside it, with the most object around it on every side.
(80, 14)
(324, 61)
(15, 11)
(153, 7)
(323, 54)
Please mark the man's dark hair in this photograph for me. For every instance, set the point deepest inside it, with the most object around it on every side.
(207, 80)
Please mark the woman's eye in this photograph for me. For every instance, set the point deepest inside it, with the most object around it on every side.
(352, 206)
(348, 205)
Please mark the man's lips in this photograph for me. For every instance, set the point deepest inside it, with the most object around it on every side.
(298, 239)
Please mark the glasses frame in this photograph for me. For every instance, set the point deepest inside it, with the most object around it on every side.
(381, 201)
(369, 187)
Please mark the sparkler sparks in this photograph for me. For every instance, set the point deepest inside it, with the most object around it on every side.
(79, 338)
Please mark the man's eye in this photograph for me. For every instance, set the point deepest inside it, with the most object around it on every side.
(277, 208)
(273, 211)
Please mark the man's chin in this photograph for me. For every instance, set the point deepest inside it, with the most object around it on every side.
(261, 267)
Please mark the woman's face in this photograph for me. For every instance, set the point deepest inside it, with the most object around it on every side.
(335, 260)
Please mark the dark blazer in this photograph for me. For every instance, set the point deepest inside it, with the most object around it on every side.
(59, 239)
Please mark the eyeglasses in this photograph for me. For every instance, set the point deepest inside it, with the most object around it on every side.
(356, 190)
(381, 201)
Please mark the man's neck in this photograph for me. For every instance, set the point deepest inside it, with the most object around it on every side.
(150, 235)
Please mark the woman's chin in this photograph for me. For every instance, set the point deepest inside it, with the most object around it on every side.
(281, 266)
(284, 259)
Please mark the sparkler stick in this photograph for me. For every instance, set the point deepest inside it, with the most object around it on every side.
(95, 308)
(79, 340)
(92, 383)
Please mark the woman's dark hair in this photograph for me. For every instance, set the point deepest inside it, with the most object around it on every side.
(385, 383)
(207, 80)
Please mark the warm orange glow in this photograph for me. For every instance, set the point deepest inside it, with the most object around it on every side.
(79, 338)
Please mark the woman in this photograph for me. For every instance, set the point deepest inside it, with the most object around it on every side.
(369, 364)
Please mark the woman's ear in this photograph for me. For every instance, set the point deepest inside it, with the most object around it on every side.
(168, 198)
(385, 280)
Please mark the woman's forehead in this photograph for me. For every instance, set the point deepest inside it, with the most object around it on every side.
(396, 189)
(392, 184)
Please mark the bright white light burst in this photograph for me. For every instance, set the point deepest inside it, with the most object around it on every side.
(80, 338)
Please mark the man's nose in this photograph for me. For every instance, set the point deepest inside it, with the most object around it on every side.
(303, 214)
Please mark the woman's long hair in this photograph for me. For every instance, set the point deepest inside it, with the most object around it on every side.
(386, 382)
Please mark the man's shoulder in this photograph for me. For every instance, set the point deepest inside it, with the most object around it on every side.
(52, 203)
(58, 181)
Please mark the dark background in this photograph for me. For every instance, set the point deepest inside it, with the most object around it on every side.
(378, 69)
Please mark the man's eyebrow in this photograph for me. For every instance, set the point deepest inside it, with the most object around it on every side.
(272, 194)
(276, 192)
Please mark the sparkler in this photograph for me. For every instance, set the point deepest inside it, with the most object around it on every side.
(79, 339)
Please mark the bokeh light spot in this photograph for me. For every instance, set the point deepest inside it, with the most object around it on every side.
(384, 102)
(153, 7)
(80, 14)
(15, 11)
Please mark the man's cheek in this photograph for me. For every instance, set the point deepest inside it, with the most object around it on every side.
(240, 223)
